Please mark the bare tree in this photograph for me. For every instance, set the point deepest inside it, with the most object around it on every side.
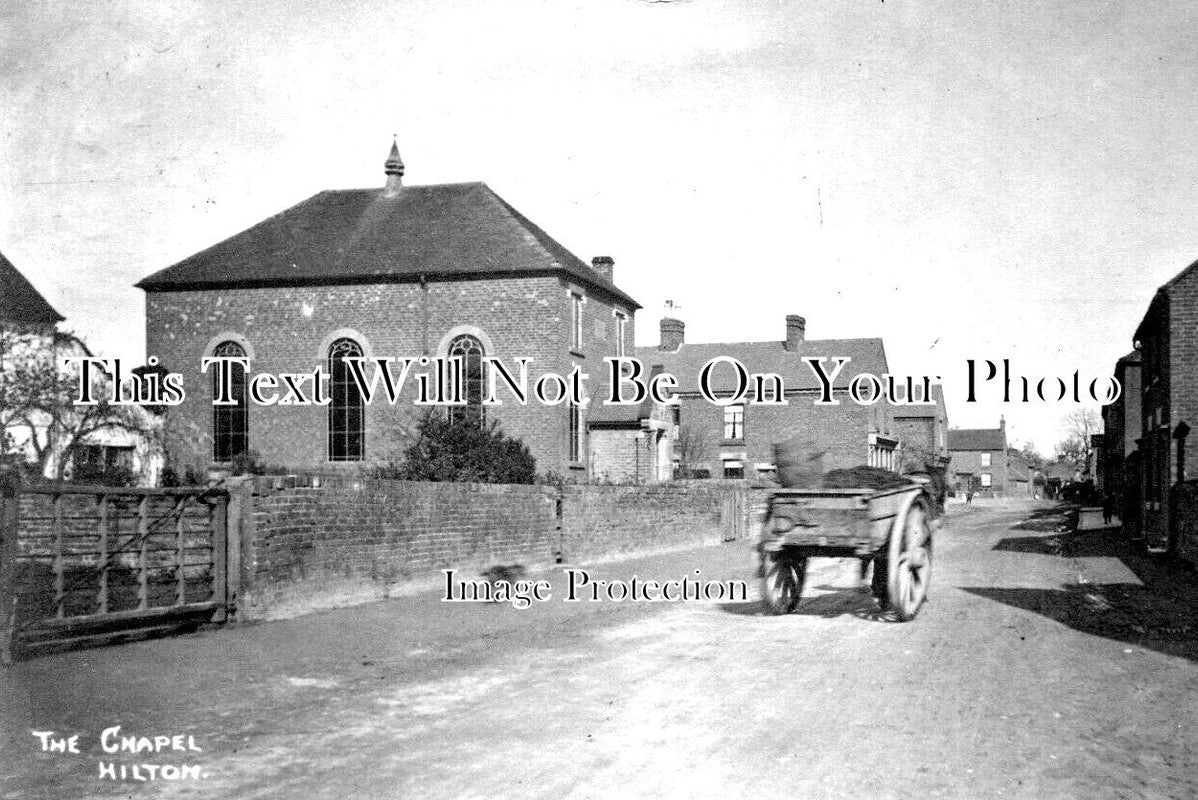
(38, 416)
(692, 448)
(1076, 448)
(1032, 456)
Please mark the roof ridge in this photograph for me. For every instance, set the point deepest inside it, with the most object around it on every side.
(406, 187)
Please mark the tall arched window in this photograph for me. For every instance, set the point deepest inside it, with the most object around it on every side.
(347, 412)
(470, 350)
(230, 424)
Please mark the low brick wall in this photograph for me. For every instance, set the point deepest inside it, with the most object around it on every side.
(603, 521)
(350, 541)
(361, 540)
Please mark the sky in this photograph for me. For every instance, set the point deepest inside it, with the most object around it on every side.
(967, 181)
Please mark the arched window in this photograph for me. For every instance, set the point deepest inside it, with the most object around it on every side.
(470, 350)
(347, 412)
(230, 423)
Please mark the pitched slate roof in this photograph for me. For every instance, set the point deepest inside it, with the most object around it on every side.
(867, 355)
(1162, 295)
(1017, 467)
(456, 230)
(921, 411)
(20, 302)
(1131, 359)
(600, 415)
(976, 439)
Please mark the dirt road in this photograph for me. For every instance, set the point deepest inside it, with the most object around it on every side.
(1045, 665)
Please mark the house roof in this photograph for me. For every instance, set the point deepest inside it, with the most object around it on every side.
(977, 439)
(1018, 467)
(921, 411)
(1161, 295)
(618, 416)
(446, 231)
(1131, 359)
(20, 302)
(685, 363)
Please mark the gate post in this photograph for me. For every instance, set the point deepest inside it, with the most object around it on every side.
(10, 499)
(237, 531)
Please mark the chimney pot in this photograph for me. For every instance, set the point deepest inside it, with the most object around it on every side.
(604, 266)
(672, 333)
(796, 331)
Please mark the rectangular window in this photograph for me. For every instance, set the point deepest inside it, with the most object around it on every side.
(985, 480)
(734, 422)
(576, 301)
(576, 442)
(621, 326)
(734, 469)
(985, 459)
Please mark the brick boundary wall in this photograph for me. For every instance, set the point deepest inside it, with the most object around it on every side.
(603, 521)
(356, 541)
(348, 541)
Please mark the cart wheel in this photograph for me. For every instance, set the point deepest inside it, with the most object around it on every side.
(782, 585)
(909, 564)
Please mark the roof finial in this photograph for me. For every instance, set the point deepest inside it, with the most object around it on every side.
(394, 169)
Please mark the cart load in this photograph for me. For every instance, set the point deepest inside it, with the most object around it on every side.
(875, 515)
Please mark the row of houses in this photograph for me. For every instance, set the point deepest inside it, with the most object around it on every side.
(1140, 458)
(983, 461)
(454, 270)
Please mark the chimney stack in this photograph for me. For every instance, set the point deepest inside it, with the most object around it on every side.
(603, 266)
(672, 332)
(393, 168)
(796, 330)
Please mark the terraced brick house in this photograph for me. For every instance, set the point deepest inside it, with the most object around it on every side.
(979, 457)
(736, 441)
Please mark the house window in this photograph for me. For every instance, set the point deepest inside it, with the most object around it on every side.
(576, 442)
(621, 328)
(985, 459)
(230, 423)
(576, 301)
(96, 458)
(734, 422)
(347, 417)
(734, 469)
(985, 476)
(470, 350)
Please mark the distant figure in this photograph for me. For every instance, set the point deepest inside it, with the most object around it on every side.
(969, 495)
(1108, 508)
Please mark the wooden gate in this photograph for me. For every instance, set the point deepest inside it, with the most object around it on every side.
(82, 565)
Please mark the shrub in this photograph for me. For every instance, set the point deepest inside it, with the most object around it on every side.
(465, 450)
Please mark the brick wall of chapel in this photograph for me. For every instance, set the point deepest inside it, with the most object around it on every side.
(288, 330)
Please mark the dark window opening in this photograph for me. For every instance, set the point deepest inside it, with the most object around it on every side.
(230, 424)
(347, 411)
(470, 350)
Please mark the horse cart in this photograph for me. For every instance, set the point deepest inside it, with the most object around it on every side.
(890, 527)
